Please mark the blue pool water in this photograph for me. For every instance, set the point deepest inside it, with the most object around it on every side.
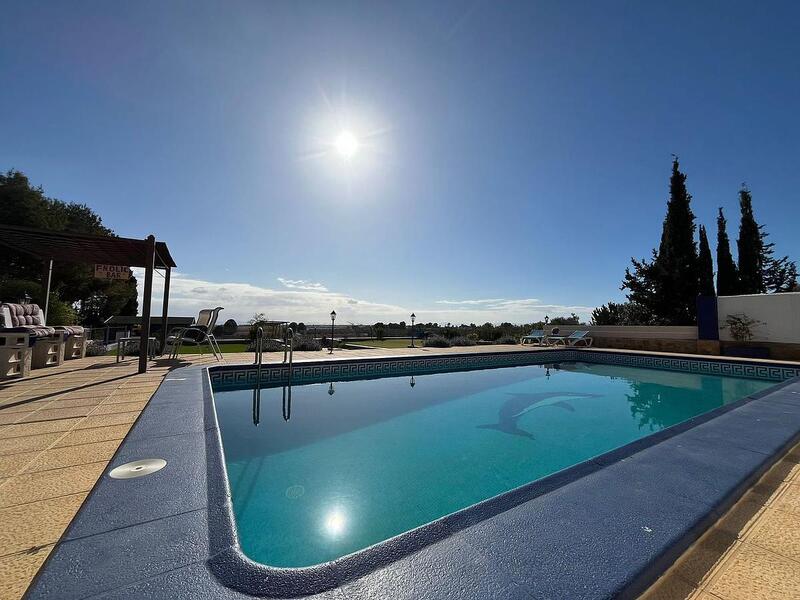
(378, 457)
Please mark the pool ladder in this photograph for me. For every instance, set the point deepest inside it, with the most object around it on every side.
(288, 352)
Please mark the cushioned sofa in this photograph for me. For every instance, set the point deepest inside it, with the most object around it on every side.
(46, 343)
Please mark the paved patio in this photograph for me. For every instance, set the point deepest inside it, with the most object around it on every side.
(60, 427)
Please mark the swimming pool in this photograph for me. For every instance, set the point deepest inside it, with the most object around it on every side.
(344, 465)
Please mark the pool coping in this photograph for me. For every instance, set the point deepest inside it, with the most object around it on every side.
(756, 430)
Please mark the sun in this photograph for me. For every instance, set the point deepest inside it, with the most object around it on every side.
(346, 144)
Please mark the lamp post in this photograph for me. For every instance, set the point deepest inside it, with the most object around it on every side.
(333, 320)
(413, 316)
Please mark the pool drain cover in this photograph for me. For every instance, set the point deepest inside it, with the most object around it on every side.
(138, 468)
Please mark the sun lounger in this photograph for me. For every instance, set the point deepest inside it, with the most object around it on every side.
(535, 337)
(576, 338)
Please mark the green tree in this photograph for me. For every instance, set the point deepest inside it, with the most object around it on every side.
(727, 273)
(777, 274)
(26, 205)
(625, 313)
(705, 266)
(667, 285)
(572, 319)
(608, 314)
(750, 248)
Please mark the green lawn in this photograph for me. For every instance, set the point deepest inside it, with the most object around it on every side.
(393, 343)
(225, 348)
(187, 349)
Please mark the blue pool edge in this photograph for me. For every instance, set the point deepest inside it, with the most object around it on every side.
(182, 411)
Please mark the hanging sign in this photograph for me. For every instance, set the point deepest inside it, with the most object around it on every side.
(112, 272)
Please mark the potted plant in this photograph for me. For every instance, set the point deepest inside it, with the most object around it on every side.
(740, 326)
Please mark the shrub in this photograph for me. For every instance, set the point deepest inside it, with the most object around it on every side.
(507, 339)
(60, 312)
(95, 348)
(462, 341)
(306, 342)
(436, 341)
(741, 327)
(267, 345)
(300, 342)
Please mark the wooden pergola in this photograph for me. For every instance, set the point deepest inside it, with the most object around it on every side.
(92, 249)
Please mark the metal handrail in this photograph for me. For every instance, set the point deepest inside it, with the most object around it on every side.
(257, 389)
(286, 407)
(259, 348)
(290, 335)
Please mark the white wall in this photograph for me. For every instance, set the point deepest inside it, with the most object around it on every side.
(779, 315)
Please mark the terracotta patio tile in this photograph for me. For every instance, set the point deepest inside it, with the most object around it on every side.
(778, 531)
(30, 429)
(757, 574)
(16, 445)
(35, 524)
(123, 398)
(32, 487)
(11, 464)
(118, 407)
(74, 402)
(7, 418)
(52, 414)
(96, 434)
(57, 458)
(109, 419)
(18, 570)
(789, 499)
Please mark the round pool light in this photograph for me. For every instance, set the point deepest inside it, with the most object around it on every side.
(137, 468)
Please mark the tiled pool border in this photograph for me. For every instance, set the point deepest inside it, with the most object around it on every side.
(760, 427)
(324, 371)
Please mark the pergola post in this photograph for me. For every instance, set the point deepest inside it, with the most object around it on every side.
(164, 311)
(47, 297)
(144, 343)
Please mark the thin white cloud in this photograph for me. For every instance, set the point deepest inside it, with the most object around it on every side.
(470, 302)
(242, 300)
(302, 284)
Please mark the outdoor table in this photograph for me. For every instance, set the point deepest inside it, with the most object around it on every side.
(123, 342)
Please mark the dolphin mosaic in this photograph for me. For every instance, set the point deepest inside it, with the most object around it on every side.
(519, 404)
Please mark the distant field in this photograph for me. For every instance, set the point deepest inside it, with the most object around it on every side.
(393, 343)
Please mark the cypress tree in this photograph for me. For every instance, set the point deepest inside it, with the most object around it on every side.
(676, 283)
(750, 247)
(705, 266)
(667, 286)
(727, 275)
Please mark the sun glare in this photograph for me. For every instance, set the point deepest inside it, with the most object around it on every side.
(346, 145)
(335, 522)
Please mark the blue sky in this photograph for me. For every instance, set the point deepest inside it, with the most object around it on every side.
(513, 156)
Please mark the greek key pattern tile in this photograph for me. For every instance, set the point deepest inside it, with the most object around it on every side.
(277, 374)
(359, 369)
(773, 372)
